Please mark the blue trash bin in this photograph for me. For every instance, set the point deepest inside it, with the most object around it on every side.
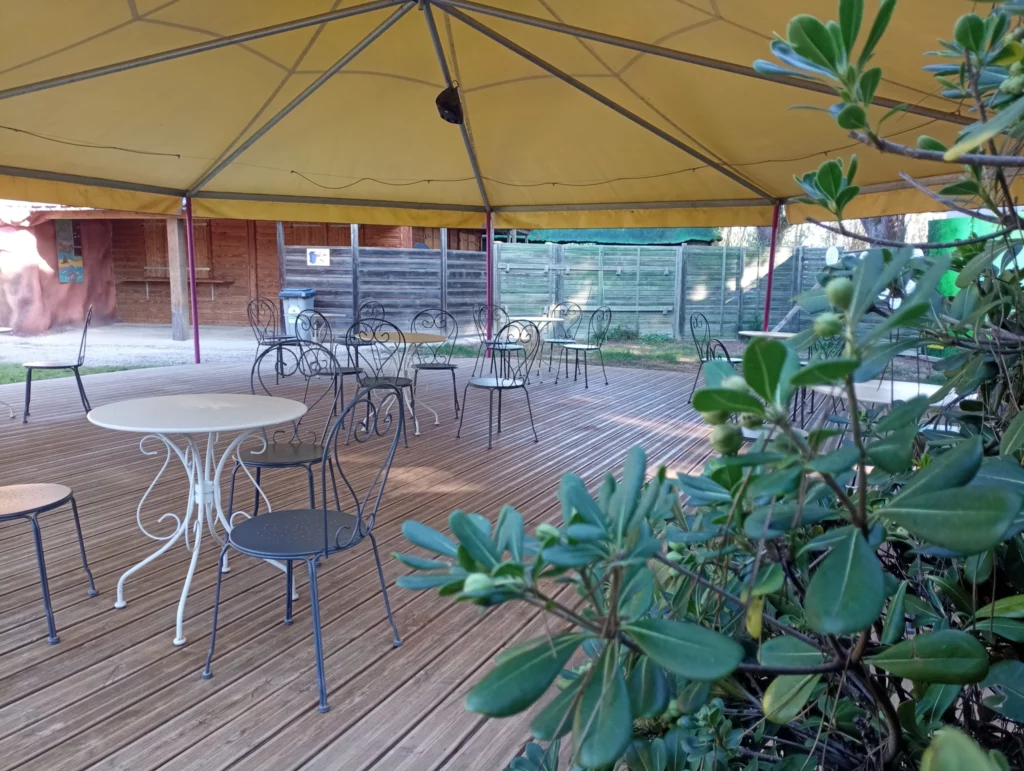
(294, 302)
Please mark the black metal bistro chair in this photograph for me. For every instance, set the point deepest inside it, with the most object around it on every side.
(28, 502)
(488, 319)
(266, 324)
(73, 366)
(565, 331)
(509, 376)
(312, 535)
(314, 326)
(597, 332)
(310, 375)
(436, 357)
(371, 309)
(381, 349)
(708, 348)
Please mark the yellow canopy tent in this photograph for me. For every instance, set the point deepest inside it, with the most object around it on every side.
(577, 113)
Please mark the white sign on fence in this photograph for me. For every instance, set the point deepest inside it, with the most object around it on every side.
(318, 258)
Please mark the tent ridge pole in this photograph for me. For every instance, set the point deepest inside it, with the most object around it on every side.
(599, 97)
(196, 48)
(463, 128)
(308, 91)
(682, 56)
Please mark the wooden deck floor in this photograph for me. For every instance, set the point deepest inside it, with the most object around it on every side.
(115, 693)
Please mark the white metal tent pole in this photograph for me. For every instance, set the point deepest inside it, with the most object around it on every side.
(579, 85)
(682, 56)
(190, 240)
(197, 48)
(771, 267)
(308, 91)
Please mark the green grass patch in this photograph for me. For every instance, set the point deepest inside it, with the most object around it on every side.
(15, 373)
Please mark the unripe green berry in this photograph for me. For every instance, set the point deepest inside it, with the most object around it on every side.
(750, 420)
(545, 531)
(727, 439)
(839, 292)
(828, 324)
(735, 383)
(715, 417)
(478, 582)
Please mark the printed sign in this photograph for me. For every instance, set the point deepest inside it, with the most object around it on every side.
(69, 252)
(318, 258)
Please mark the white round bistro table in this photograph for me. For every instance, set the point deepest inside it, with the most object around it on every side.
(190, 416)
(752, 334)
(542, 323)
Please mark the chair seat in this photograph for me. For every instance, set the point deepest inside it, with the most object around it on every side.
(25, 499)
(283, 454)
(496, 382)
(291, 533)
(50, 365)
(380, 382)
(345, 371)
(501, 345)
(560, 340)
(581, 346)
(436, 365)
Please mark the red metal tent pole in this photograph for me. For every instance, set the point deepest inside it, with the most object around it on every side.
(190, 239)
(490, 275)
(771, 265)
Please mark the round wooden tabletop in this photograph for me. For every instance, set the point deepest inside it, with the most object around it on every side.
(411, 338)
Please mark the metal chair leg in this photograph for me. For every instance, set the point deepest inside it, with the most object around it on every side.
(603, 371)
(490, 417)
(462, 417)
(318, 642)
(695, 379)
(53, 639)
(312, 488)
(397, 642)
(231, 490)
(256, 505)
(455, 392)
(334, 483)
(207, 674)
(81, 390)
(28, 393)
(499, 410)
(289, 582)
(586, 382)
(529, 410)
(81, 547)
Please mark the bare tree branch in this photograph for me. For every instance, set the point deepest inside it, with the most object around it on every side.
(969, 159)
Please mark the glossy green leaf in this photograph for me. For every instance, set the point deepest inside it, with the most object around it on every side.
(603, 726)
(648, 689)
(827, 372)
(809, 38)
(894, 453)
(980, 133)
(786, 697)
(953, 750)
(775, 482)
(1007, 607)
(903, 414)
(473, 539)
(1006, 678)
(836, 462)
(1007, 628)
(978, 568)
(938, 698)
(763, 361)
(429, 539)
(417, 583)
(850, 14)
(947, 656)
(770, 579)
(555, 720)
(878, 28)
(627, 493)
(702, 491)
(953, 468)
(965, 520)
(773, 521)
(852, 117)
(646, 755)
(787, 651)
(576, 500)
(717, 370)
(1002, 472)
(726, 400)
(521, 677)
(419, 563)
(686, 649)
(847, 592)
(879, 356)
(969, 32)
(1013, 437)
(895, 625)
(510, 533)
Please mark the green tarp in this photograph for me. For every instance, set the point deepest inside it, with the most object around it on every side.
(627, 236)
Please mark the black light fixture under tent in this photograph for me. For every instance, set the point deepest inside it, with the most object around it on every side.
(449, 105)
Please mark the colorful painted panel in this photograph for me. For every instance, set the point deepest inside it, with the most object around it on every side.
(69, 252)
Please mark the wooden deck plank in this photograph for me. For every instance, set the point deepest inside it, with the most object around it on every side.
(116, 694)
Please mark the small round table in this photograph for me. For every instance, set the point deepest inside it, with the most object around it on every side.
(190, 416)
(541, 322)
(411, 339)
(886, 391)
